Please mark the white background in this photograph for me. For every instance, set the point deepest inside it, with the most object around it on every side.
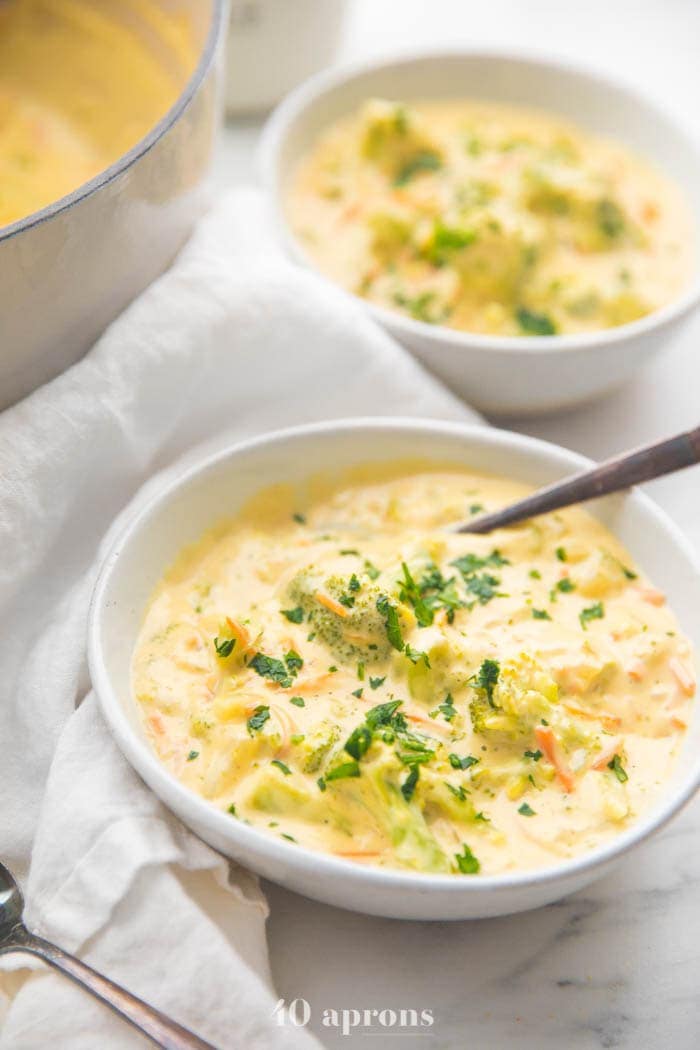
(618, 965)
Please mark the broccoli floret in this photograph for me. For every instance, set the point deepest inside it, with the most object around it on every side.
(393, 140)
(511, 698)
(360, 631)
(316, 745)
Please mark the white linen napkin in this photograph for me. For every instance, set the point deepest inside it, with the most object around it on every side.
(233, 340)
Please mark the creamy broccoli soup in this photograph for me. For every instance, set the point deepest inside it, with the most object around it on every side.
(78, 88)
(490, 219)
(338, 669)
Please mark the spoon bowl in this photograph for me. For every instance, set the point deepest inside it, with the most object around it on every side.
(11, 904)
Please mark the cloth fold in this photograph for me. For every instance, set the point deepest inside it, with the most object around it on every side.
(232, 341)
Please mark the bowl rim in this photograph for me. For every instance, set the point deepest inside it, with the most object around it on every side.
(294, 857)
(312, 90)
(149, 140)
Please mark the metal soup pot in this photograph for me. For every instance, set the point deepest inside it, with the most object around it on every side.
(67, 270)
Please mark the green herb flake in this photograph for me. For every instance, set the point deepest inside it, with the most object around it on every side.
(409, 785)
(298, 701)
(533, 323)
(476, 508)
(192, 755)
(344, 770)
(535, 574)
(272, 668)
(486, 677)
(525, 810)
(540, 614)
(534, 755)
(299, 518)
(358, 693)
(616, 766)
(565, 585)
(561, 554)
(391, 621)
(294, 662)
(462, 763)
(258, 718)
(592, 612)
(294, 615)
(414, 655)
(321, 784)
(458, 792)
(447, 708)
(359, 742)
(467, 863)
(374, 683)
(280, 765)
(232, 809)
(224, 646)
(418, 164)
(372, 571)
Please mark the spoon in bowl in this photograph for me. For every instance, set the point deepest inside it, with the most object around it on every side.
(15, 937)
(629, 468)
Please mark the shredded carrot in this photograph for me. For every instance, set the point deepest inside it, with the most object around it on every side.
(607, 754)
(332, 604)
(651, 595)
(156, 724)
(548, 742)
(606, 720)
(636, 670)
(678, 723)
(682, 675)
(241, 635)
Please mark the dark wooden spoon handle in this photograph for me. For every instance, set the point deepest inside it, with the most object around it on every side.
(630, 468)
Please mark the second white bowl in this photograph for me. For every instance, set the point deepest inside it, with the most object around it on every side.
(501, 375)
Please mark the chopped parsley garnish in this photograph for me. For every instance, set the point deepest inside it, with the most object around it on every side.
(289, 838)
(467, 862)
(359, 742)
(476, 508)
(565, 585)
(391, 621)
(419, 307)
(592, 612)
(387, 714)
(345, 769)
(409, 784)
(471, 563)
(526, 811)
(280, 765)
(447, 709)
(258, 718)
(425, 160)
(374, 683)
(349, 550)
(462, 763)
(192, 755)
(440, 593)
(232, 809)
(561, 554)
(411, 594)
(299, 518)
(358, 693)
(628, 572)
(372, 571)
(611, 219)
(535, 574)
(294, 615)
(486, 678)
(616, 766)
(272, 668)
(321, 784)
(361, 671)
(533, 323)
(294, 662)
(483, 587)
(540, 614)
(414, 655)
(224, 646)
(298, 701)
(354, 584)
(534, 755)
(458, 792)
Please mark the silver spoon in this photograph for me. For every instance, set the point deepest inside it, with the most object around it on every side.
(629, 468)
(15, 937)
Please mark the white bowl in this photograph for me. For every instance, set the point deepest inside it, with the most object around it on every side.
(216, 487)
(500, 374)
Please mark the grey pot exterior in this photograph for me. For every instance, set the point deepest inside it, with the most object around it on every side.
(70, 269)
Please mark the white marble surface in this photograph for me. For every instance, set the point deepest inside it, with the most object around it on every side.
(618, 964)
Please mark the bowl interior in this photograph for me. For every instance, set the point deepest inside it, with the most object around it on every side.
(184, 511)
(600, 106)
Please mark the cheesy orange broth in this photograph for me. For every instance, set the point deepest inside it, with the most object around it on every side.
(336, 668)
